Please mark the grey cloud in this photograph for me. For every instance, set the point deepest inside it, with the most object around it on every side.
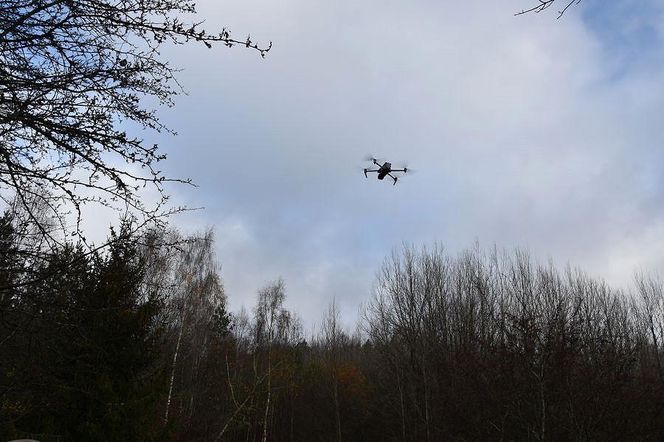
(520, 134)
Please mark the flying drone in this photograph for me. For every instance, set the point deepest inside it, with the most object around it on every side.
(384, 170)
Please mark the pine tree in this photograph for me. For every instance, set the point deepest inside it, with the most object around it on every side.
(85, 365)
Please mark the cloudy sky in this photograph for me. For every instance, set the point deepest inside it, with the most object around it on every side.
(525, 132)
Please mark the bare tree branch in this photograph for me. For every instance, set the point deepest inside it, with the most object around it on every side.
(71, 75)
(545, 4)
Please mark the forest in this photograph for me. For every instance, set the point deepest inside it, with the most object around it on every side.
(136, 343)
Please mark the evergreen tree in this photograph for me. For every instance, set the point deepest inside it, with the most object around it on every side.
(84, 365)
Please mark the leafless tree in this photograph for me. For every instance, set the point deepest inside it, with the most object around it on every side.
(185, 271)
(274, 326)
(523, 349)
(72, 73)
(333, 339)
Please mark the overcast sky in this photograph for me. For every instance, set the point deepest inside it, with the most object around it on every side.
(525, 132)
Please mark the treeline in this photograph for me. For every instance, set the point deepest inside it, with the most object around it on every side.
(134, 342)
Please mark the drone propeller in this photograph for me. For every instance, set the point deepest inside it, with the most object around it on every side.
(372, 158)
(405, 168)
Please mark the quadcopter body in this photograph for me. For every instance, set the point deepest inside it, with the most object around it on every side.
(384, 170)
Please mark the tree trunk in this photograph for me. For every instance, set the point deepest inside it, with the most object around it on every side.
(269, 391)
(403, 409)
(170, 387)
(336, 408)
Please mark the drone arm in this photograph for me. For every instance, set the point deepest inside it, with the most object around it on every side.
(394, 178)
(367, 171)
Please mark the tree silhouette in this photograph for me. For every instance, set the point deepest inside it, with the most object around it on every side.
(72, 74)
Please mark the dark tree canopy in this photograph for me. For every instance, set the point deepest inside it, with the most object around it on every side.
(71, 73)
(134, 342)
(79, 353)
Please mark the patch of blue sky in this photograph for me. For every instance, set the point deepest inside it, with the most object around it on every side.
(631, 33)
